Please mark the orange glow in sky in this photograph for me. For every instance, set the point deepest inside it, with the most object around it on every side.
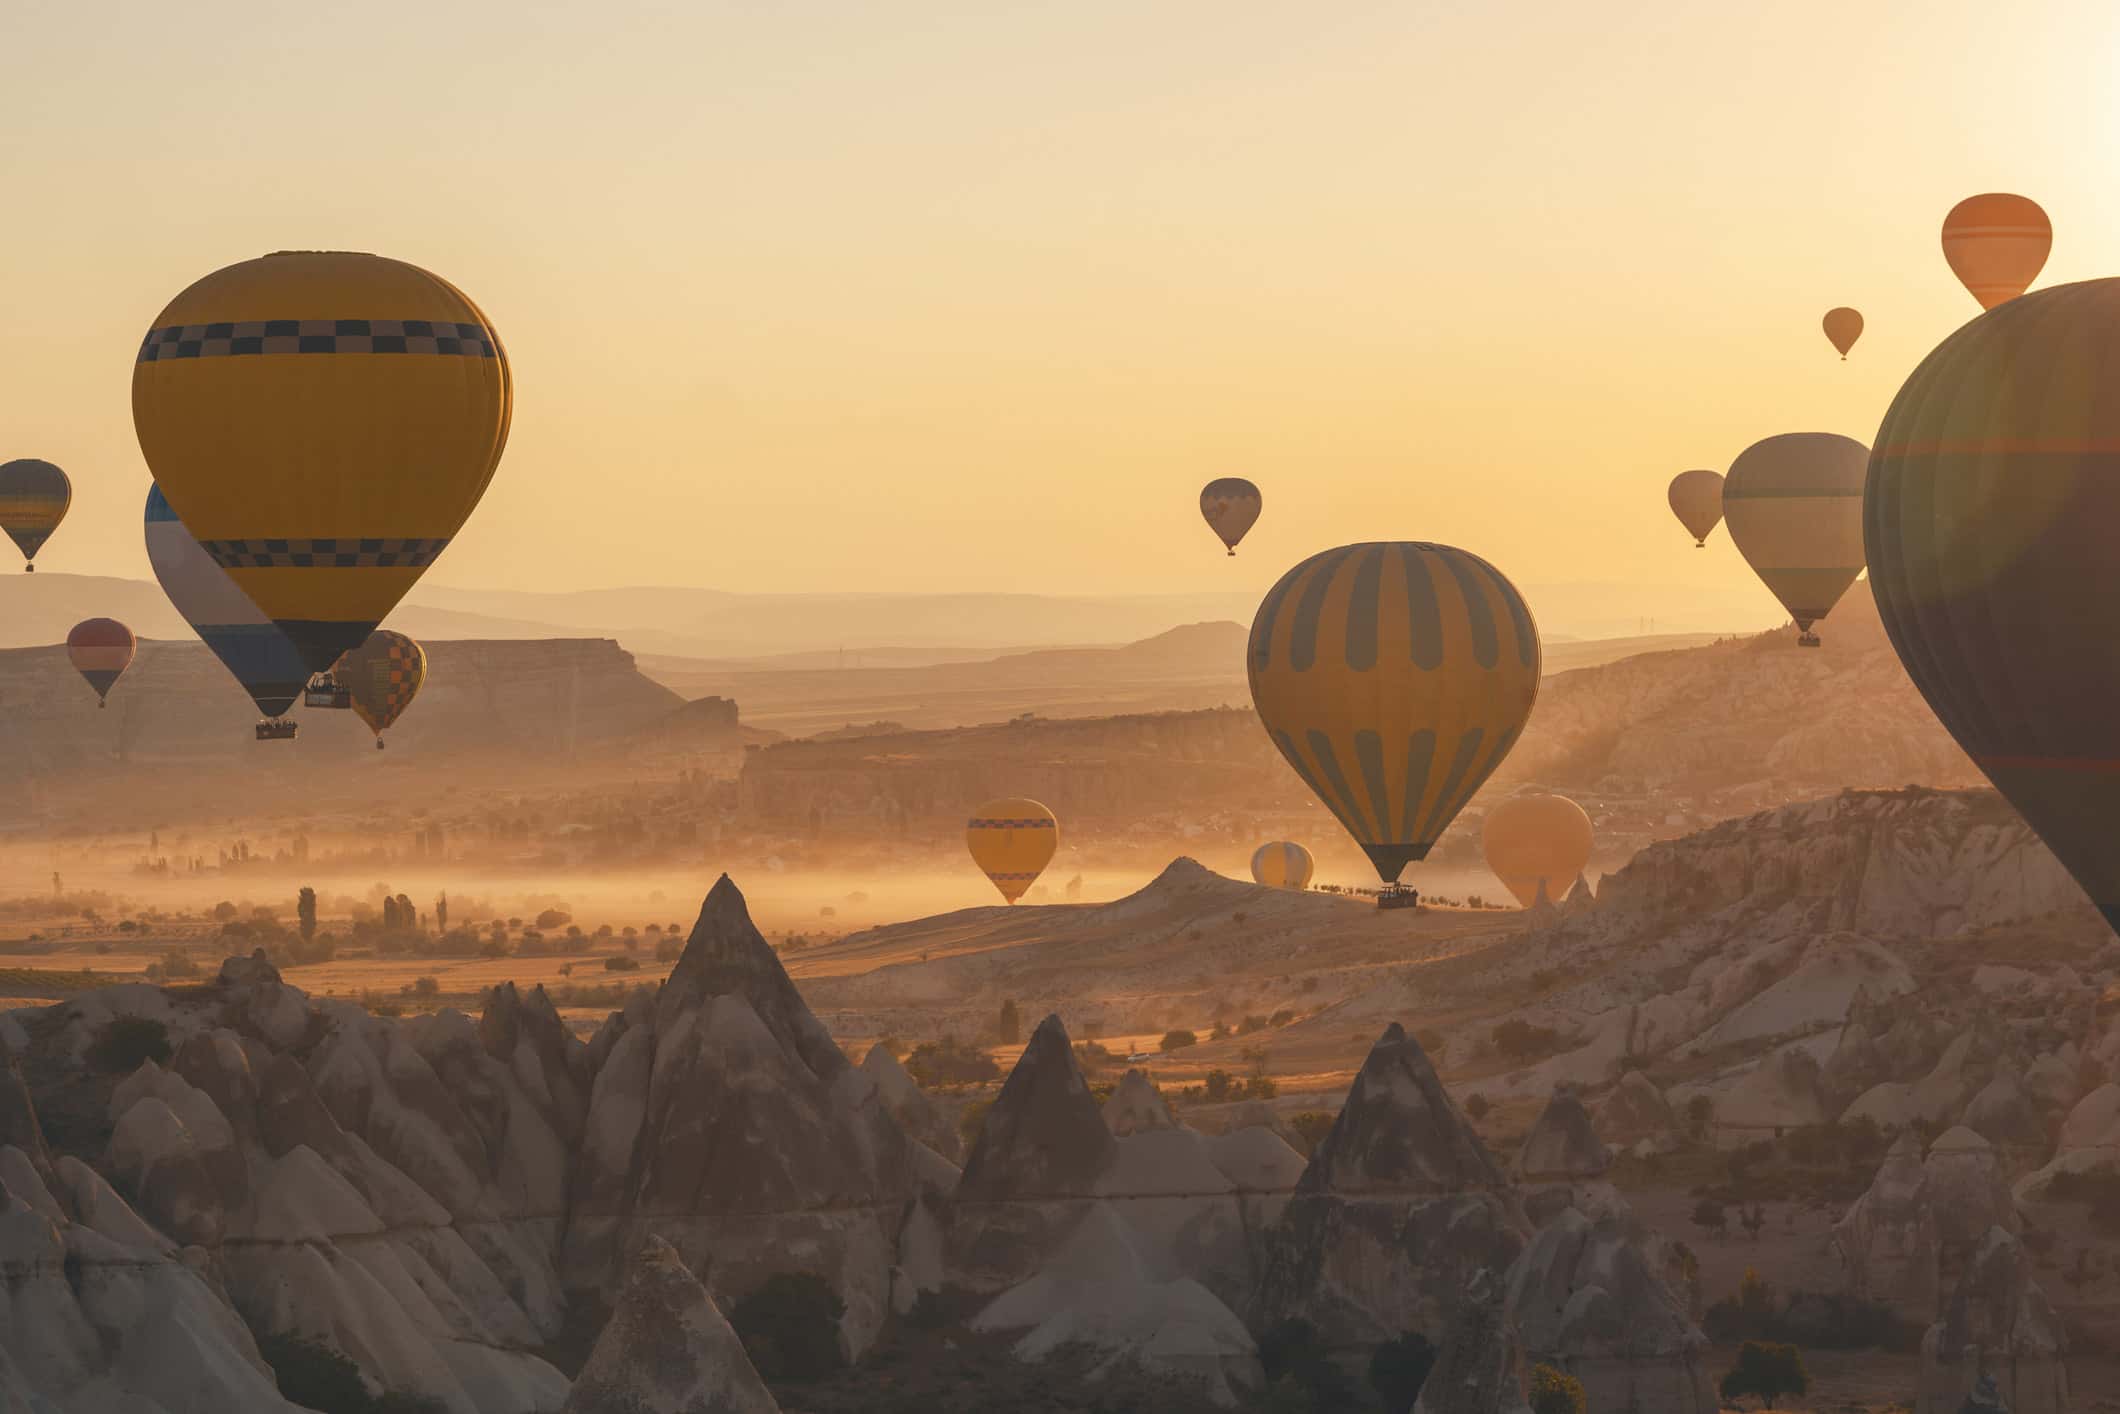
(945, 296)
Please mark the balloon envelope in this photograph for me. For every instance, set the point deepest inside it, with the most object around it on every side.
(1283, 864)
(1843, 327)
(34, 496)
(100, 650)
(1537, 844)
(383, 675)
(1394, 677)
(253, 650)
(1696, 498)
(1996, 244)
(1012, 841)
(1230, 505)
(1794, 504)
(1992, 499)
(323, 422)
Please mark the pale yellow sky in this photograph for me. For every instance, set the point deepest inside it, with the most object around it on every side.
(939, 296)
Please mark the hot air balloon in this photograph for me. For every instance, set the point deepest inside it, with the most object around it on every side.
(34, 496)
(323, 423)
(1537, 845)
(1230, 505)
(1989, 522)
(1696, 498)
(1012, 840)
(101, 650)
(1794, 504)
(1394, 677)
(383, 675)
(1843, 327)
(1283, 864)
(248, 644)
(1996, 244)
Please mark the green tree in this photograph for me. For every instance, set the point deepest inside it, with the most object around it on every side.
(1177, 1041)
(1556, 1392)
(1399, 1368)
(441, 911)
(1008, 1027)
(1766, 1371)
(305, 912)
(1709, 1217)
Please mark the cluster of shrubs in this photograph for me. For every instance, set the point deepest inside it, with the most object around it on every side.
(1823, 1321)
(949, 1061)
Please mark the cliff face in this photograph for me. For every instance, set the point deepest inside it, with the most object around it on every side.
(1753, 711)
(176, 705)
(1095, 770)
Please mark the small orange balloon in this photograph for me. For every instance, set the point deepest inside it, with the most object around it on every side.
(1843, 327)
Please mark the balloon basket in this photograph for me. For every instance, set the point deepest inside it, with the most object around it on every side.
(1398, 896)
(276, 729)
(378, 743)
(1807, 640)
(324, 691)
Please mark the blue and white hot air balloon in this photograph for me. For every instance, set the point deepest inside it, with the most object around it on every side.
(254, 650)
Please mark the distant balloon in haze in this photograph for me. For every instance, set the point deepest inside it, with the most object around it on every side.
(1696, 498)
(383, 675)
(1794, 504)
(324, 422)
(100, 650)
(1230, 505)
(1996, 244)
(1394, 677)
(1012, 841)
(1843, 327)
(1989, 523)
(1283, 864)
(1537, 845)
(34, 496)
(248, 644)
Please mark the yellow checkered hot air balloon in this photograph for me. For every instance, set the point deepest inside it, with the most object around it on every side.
(323, 423)
(383, 675)
(1394, 676)
(34, 496)
(1012, 840)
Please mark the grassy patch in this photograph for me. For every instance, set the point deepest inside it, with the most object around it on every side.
(55, 983)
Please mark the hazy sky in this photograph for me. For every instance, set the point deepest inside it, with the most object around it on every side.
(903, 294)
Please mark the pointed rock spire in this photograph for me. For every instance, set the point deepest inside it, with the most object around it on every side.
(1563, 1143)
(1137, 1106)
(1044, 1136)
(667, 1349)
(727, 955)
(1399, 1131)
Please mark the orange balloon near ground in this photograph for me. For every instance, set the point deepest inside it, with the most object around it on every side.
(1012, 841)
(1996, 244)
(1538, 845)
(1843, 327)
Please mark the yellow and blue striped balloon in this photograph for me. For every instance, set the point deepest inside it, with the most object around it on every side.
(1394, 676)
(34, 496)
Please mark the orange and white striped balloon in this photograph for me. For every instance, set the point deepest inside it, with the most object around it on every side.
(1996, 244)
